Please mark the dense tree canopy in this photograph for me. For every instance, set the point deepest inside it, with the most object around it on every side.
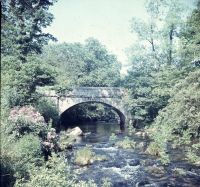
(88, 64)
(163, 81)
(22, 23)
(190, 40)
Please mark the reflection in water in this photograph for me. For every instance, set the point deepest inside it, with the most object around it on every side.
(97, 131)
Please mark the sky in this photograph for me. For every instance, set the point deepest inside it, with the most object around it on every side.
(106, 20)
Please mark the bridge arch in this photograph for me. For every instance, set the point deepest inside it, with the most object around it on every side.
(117, 110)
(110, 96)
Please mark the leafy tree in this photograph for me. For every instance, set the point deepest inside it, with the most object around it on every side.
(22, 37)
(158, 35)
(178, 122)
(53, 173)
(18, 157)
(154, 59)
(88, 64)
(22, 23)
(190, 38)
(100, 66)
(19, 81)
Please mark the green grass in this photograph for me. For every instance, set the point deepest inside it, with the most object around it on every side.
(85, 156)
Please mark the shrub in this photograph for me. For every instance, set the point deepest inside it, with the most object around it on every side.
(26, 154)
(178, 123)
(84, 156)
(48, 110)
(158, 149)
(18, 157)
(153, 149)
(54, 173)
(193, 154)
(26, 120)
(126, 143)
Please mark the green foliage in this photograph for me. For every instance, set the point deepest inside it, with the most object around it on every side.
(155, 60)
(18, 157)
(113, 137)
(190, 37)
(88, 64)
(7, 170)
(21, 33)
(48, 110)
(163, 84)
(54, 173)
(26, 154)
(182, 113)
(153, 149)
(19, 81)
(149, 91)
(178, 122)
(126, 143)
(163, 87)
(84, 156)
(193, 154)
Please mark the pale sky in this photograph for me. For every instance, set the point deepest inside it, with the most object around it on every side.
(106, 20)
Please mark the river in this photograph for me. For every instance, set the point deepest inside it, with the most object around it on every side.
(129, 168)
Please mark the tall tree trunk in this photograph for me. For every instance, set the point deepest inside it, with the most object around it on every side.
(170, 44)
(151, 41)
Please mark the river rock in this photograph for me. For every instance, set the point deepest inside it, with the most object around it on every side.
(75, 132)
(116, 164)
(141, 134)
(156, 171)
(135, 162)
(142, 183)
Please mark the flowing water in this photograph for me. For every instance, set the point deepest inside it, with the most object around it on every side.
(129, 168)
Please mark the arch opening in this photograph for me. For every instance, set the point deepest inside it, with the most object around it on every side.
(119, 116)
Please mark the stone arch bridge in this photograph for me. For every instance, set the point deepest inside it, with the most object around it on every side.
(110, 96)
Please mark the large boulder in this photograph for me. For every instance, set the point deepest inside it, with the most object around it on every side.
(75, 132)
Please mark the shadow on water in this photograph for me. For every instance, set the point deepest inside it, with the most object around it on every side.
(129, 168)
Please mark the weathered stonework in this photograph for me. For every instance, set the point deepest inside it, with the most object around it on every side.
(111, 96)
